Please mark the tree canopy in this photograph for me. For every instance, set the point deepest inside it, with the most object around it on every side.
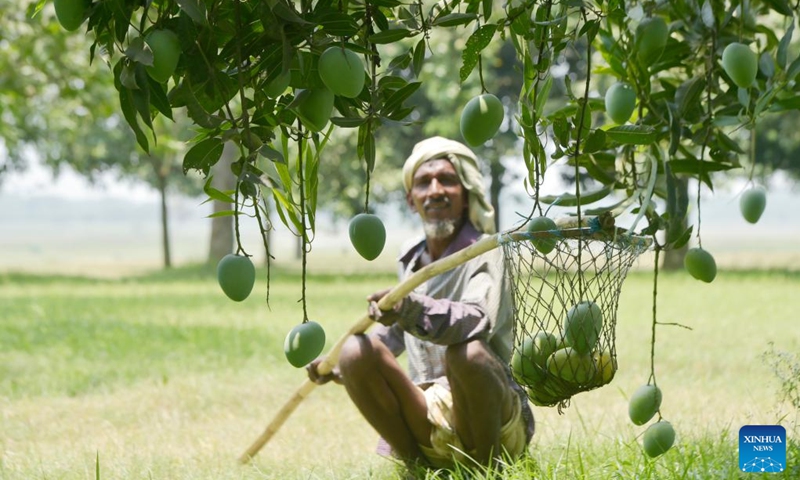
(697, 77)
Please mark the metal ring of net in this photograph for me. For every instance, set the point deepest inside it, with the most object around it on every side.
(565, 307)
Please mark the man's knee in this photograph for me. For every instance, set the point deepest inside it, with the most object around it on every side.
(359, 352)
(465, 356)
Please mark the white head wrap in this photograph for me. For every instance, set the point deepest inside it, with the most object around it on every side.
(481, 212)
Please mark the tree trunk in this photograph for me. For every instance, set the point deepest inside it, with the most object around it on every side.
(162, 190)
(222, 240)
(673, 258)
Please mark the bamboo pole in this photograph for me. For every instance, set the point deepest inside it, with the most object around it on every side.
(400, 291)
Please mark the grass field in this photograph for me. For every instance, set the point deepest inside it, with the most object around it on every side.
(160, 376)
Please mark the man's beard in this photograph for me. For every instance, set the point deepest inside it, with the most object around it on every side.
(440, 229)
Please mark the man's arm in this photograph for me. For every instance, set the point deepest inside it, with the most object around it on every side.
(446, 321)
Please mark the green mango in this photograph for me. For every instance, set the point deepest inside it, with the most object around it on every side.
(314, 108)
(644, 404)
(342, 71)
(367, 235)
(71, 13)
(582, 326)
(658, 438)
(752, 203)
(541, 224)
(481, 119)
(700, 264)
(529, 362)
(236, 276)
(620, 102)
(650, 39)
(304, 343)
(278, 85)
(166, 48)
(572, 366)
(740, 63)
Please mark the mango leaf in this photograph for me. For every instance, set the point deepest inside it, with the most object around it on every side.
(674, 130)
(419, 57)
(542, 93)
(766, 64)
(311, 180)
(683, 239)
(121, 12)
(781, 6)
(223, 213)
(454, 19)
(632, 134)
(688, 95)
(487, 9)
(698, 167)
(397, 97)
(286, 12)
(727, 143)
(366, 145)
(129, 112)
(128, 77)
(158, 98)
(338, 24)
(793, 69)
(790, 103)
(203, 155)
(783, 47)
(572, 200)
(348, 122)
(195, 9)
(386, 3)
(285, 208)
(141, 96)
(595, 141)
(479, 40)
(139, 52)
(215, 194)
(270, 153)
(390, 36)
(764, 101)
(380, 20)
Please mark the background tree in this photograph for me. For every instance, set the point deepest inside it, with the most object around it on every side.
(62, 110)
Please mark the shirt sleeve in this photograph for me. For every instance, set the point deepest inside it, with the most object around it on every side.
(448, 321)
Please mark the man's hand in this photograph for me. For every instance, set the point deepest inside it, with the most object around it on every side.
(386, 317)
(316, 377)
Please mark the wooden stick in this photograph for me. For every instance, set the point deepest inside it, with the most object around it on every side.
(395, 295)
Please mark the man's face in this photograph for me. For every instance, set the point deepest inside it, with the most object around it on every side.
(439, 197)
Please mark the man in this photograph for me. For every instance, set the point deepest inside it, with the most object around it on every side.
(458, 402)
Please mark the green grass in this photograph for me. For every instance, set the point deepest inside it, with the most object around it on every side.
(161, 376)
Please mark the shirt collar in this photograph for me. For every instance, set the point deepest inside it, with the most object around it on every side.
(465, 237)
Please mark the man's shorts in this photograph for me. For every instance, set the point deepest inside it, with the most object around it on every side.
(447, 448)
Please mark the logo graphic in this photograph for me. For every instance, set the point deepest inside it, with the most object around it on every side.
(762, 448)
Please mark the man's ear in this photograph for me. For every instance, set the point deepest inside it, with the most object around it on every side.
(410, 202)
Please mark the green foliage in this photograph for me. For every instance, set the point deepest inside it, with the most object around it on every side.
(689, 121)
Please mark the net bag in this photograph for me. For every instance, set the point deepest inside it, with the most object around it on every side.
(566, 290)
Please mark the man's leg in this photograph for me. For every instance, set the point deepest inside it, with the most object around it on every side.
(482, 398)
(385, 395)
